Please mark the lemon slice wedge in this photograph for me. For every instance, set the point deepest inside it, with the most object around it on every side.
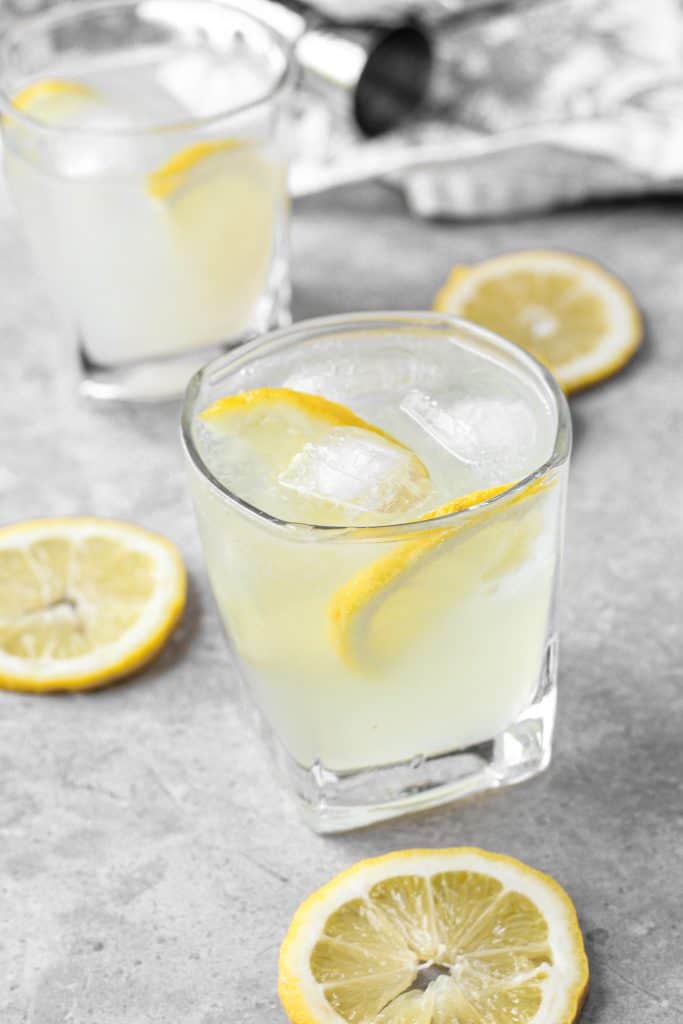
(380, 610)
(83, 601)
(571, 314)
(177, 173)
(455, 936)
(220, 203)
(302, 456)
(53, 100)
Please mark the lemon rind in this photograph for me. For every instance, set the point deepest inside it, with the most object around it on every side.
(333, 414)
(46, 88)
(173, 175)
(365, 589)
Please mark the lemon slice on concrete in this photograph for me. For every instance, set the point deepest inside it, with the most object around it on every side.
(390, 601)
(83, 601)
(53, 100)
(306, 456)
(574, 316)
(456, 936)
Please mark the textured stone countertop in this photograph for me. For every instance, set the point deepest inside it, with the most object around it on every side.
(149, 863)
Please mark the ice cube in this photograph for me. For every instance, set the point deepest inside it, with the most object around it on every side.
(359, 470)
(205, 84)
(496, 434)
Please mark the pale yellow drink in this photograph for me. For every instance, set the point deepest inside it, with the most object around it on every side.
(153, 245)
(144, 145)
(375, 643)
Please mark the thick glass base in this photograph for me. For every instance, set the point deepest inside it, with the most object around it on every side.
(335, 802)
(160, 379)
(153, 380)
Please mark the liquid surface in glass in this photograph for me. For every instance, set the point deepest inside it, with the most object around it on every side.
(371, 650)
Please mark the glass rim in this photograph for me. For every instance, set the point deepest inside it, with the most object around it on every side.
(65, 12)
(372, 320)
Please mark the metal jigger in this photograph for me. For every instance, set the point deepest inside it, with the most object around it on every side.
(372, 77)
(375, 77)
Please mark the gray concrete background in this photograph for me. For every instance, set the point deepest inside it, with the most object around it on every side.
(149, 863)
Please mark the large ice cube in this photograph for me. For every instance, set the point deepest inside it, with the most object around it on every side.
(205, 84)
(496, 434)
(359, 470)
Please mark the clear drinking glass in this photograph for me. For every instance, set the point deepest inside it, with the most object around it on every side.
(144, 150)
(400, 665)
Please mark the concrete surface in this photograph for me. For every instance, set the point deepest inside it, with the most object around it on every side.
(149, 862)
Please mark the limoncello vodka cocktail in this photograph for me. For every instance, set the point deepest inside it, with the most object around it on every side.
(380, 500)
(144, 150)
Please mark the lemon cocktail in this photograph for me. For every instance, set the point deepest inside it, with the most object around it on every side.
(380, 501)
(150, 178)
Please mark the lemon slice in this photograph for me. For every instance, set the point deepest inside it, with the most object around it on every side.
(177, 172)
(387, 604)
(53, 100)
(302, 455)
(456, 936)
(571, 314)
(83, 601)
(221, 203)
